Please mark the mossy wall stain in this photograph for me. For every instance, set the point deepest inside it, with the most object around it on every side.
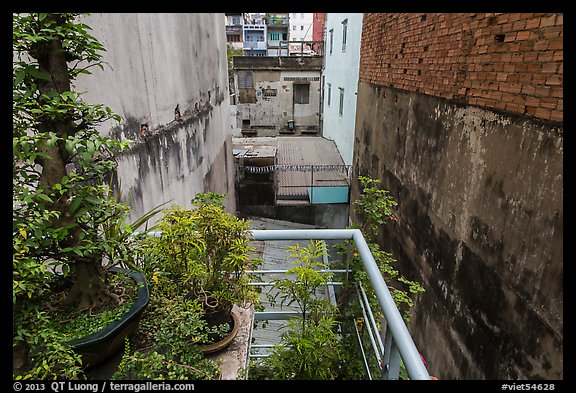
(480, 224)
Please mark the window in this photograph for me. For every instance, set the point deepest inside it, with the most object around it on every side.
(284, 36)
(344, 31)
(274, 36)
(341, 109)
(293, 27)
(331, 39)
(301, 27)
(329, 93)
(301, 93)
(235, 20)
(245, 80)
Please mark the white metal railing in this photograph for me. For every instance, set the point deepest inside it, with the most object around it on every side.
(397, 345)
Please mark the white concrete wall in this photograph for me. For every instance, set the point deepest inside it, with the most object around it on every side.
(341, 71)
(303, 23)
(276, 111)
(158, 61)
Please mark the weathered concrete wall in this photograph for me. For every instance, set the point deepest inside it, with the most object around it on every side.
(160, 62)
(269, 104)
(480, 225)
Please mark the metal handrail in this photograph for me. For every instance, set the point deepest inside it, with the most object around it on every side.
(395, 324)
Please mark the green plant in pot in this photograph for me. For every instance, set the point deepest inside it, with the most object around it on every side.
(203, 254)
(63, 209)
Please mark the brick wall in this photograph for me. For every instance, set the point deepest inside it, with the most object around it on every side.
(508, 61)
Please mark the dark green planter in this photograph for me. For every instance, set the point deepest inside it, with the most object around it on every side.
(100, 346)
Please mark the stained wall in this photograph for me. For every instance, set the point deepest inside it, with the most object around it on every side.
(159, 64)
(461, 119)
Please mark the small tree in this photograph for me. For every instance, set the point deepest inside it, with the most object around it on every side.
(60, 160)
(311, 348)
(61, 201)
(374, 208)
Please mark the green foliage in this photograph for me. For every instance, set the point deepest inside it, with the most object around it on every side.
(64, 213)
(374, 208)
(312, 353)
(169, 333)
(123, 238)
(45, 354)
(72, 324)
(322, 343)
(303, 280)
(230, 54)
(311, 348)
(202, 252)
(195, 265)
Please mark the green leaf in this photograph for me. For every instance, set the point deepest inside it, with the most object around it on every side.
(45, 197)
(75, 203)
(93, 200)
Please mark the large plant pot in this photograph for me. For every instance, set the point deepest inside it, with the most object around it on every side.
(100, 346)
(230, 317)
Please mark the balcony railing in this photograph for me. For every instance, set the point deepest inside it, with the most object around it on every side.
(390, 343)
(251, 45)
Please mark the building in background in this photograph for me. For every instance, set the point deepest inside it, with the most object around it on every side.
(340, 73)
(255, 34)
(278, 25)
(318, 22)
(277, 95)
(301, 29)
(235, 30)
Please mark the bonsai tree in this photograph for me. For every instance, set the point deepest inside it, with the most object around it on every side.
(203, 254)
(63, 209)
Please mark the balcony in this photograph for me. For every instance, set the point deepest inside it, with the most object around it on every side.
(257, 45)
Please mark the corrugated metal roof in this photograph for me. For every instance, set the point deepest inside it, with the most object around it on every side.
(307, 152)
(300, 162)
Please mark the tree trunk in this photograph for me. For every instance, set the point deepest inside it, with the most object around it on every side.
(89, 288)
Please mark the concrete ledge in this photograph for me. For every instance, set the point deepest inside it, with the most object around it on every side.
(234, 358)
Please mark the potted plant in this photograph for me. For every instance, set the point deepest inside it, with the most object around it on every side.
(202, 254)
(196, 268)
(62, 206)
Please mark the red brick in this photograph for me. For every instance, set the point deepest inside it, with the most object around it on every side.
(522, 35)
(543, 113)
(532, 23)
(526, 66)
(557, 116)
(554, 80)
(548, 21)
(555, 44)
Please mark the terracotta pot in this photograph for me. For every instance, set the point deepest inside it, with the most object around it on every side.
(98, 347)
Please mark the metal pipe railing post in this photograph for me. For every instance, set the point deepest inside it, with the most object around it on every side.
(402, 338)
